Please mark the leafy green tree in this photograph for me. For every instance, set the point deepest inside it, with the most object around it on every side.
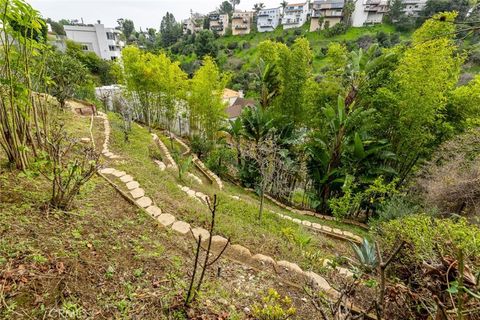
(433, 7)
(234, 4)
(417, 98)
(205, 44)
(207, 109)
(56, 27)
(395, 10)
(225, 8)
(170, 30)
(127, 27)
(67, 75)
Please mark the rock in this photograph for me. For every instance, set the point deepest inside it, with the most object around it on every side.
(166, 219)
(154, 211)
(191, 193)
(291, 267)
(200, 231)
(297, 221)
(326, 228)
(317, 281)
(132, 185)
(137, 193)
(184, 188)
(144, 202)
(119, 174)
(235, 197)
(126, 178)
(263, 259)
(240, 252)
(357, 238)
(337, 231)
(288, 218)
(345, 272)
(108, 154)
(317, 226)
(85, 140)
(107, 171)
(348, 234)
(181, 227)
(306, 223)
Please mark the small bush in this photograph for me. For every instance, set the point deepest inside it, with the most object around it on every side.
(200, 146)
(274, 307)
(154, 152)
(397, 207)
(336, 30)
(232, 45)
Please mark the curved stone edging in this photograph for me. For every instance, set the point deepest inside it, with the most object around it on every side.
(106, 123)
(172, 164)
(207, 172)
(180, 141)
(195, 194)
(311, 213)
(239, 252)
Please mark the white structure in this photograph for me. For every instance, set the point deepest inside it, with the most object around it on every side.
(413, 7)
(96, 38)
(193, 24)
(326, 13)
(218, 23)
(369, 12)
(296, 14)
(268, 19)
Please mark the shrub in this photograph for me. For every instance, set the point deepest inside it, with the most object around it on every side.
(336, 30)
(274, 307)
(397, 207)
(200, 146)
(154, 151)
(219, 160)
(427, 236)
(232, 45)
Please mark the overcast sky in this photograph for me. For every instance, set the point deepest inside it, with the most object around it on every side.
(144, 13)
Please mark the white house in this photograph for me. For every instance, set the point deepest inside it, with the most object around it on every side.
(105, 42)
(413, 7)
(368, 12)
(268, 19)
(326, 13)
(193, 24)
(295, 15)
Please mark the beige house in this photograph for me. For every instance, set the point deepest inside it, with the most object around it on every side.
(242, 22)
(326, 14)
(193, 24)
(218, 23)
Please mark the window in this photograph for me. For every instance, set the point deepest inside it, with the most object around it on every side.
(84, 47)
(110, 36)
(112, 48)
(113, 58)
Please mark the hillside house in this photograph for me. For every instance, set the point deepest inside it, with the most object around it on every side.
(242, 22)
(296, 14)
(326, 14)
(368, 12)
(218, 23)
(268, 19)
(104, 42)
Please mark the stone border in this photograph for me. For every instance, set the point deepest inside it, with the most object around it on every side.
(195, 194)
(106, 123)
(311, 213)
(282, 267)
(207, 172)
(171, 163)
(234, 252)
(180, 141)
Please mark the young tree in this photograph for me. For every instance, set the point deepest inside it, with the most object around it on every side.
(67, 75)
(205, 44)
(170, 30)
(225, 8)
(127, 27)
(234, 4)
(207, 109)
(22, 48)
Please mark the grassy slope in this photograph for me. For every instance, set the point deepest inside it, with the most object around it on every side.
(236, 219)
(317, 41)
(105, 259)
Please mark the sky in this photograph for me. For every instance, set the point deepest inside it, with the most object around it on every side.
(144, 13)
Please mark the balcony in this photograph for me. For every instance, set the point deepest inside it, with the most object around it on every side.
(241, 27)
(216, 28)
